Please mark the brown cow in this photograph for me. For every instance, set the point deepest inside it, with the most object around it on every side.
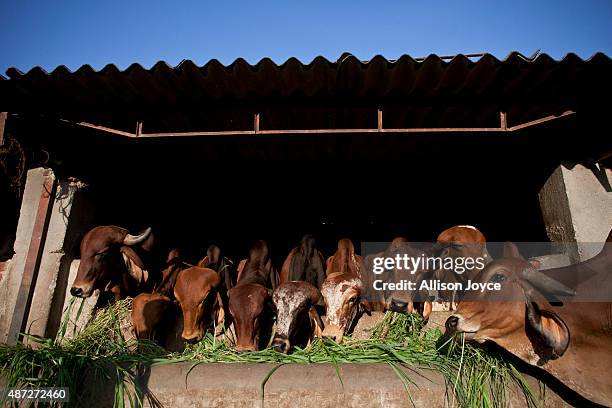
(401, 301)
(342, 293)
(460, 241)
(249, 299)
(150, 309)
(297, 319)
(112, 261)
(304, 263)
(571, 341)
(248, 305)
(345, 259)
(196, 291)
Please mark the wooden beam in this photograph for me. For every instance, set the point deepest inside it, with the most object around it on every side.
(138, 128)
(380, 120)
(3, 116)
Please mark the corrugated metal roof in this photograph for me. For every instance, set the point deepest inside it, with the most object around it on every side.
(321, 94)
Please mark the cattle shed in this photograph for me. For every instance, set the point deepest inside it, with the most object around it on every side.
(369, 150)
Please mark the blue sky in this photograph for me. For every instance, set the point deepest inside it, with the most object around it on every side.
(50, 33)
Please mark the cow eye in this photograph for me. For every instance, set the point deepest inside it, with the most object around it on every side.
(352, 299)
(101, 254)
(498, 278)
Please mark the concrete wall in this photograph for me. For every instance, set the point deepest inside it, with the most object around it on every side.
(293, 385)
(576, 203)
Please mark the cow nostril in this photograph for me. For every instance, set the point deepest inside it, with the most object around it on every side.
(451, 323)
(76, 291)
(398, 305)
(330, 338)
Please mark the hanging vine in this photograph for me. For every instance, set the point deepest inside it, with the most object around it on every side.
(13, 163)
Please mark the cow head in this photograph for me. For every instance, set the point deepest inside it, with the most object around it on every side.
(512, 313)
(101, 258)
(297, 318)
(247, 305)
(403, 301)
(214, 254)
(148, 310)
(463, 241)
(196, 292)
(342, 294)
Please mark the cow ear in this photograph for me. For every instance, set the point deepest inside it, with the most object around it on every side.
(204, 262)
(134, 264)
(329, 264)
(427, 308)
(511, 250)
(317, 323)
(550, 329)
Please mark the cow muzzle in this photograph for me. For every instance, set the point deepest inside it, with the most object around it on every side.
(191, 336)
(81, 290)
(333, 332)
(281, 344)
(245, 347)
(458, 324)
(400, 306)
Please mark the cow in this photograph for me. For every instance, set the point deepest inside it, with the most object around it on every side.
(249, 308)
(196, 291)
(460, 241)
(565, 331)
(250, 300)
(151, 309)
(297, 320)
(115, 262)
(342, 293)
(401, 301)
(304, 263)
(344, 259)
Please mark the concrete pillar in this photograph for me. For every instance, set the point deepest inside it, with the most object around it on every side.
(52, 278)
(16, 285)
(33, 286)
(576, 203)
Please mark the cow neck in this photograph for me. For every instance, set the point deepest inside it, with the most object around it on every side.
(576, 362)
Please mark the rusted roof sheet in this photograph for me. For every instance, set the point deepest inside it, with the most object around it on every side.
(321, 94)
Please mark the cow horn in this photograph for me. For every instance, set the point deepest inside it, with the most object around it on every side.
(136, 239)
(547, 284)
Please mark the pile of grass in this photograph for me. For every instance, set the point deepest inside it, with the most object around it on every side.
(473, 378)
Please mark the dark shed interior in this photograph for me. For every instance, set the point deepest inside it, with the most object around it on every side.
(233, 189)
